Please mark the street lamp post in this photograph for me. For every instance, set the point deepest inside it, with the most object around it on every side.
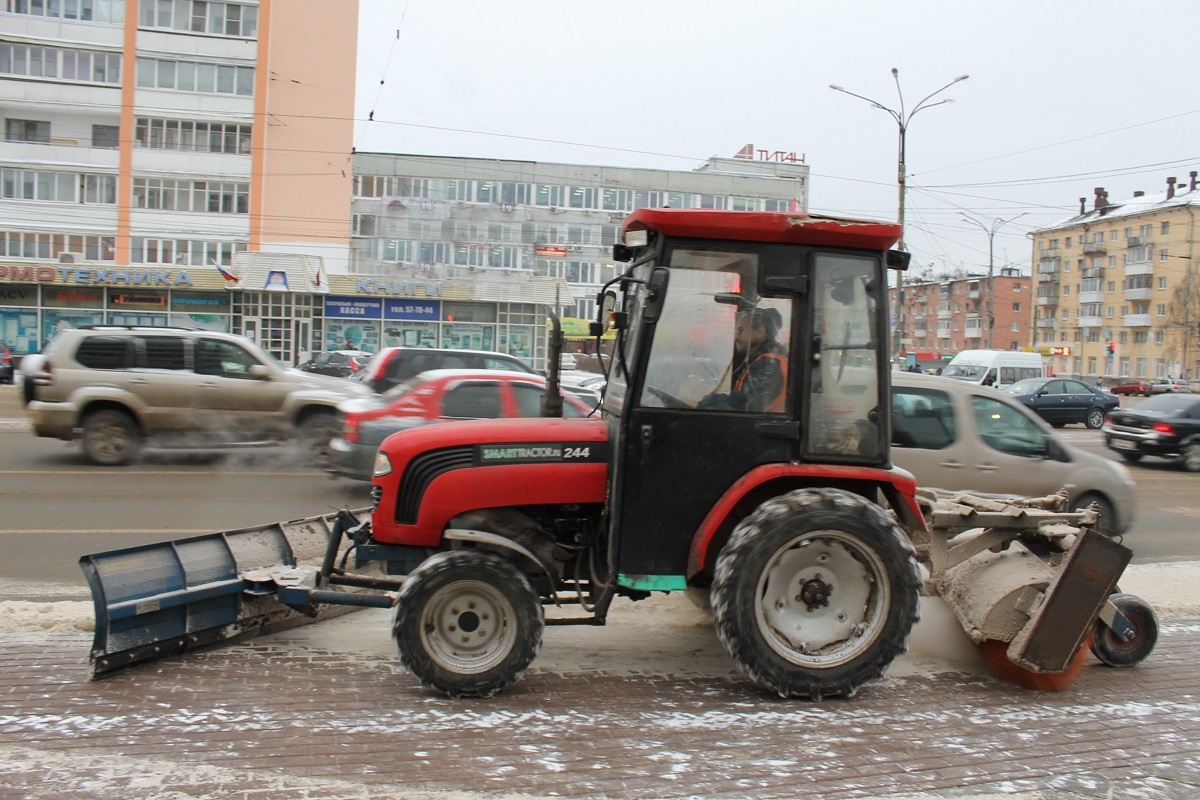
(902, 118)
(990, 230)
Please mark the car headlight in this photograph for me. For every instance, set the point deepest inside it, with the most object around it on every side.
(383, 465)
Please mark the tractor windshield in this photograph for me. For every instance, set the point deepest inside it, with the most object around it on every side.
(718, 346)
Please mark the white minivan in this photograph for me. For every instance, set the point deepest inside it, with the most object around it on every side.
(995, 368)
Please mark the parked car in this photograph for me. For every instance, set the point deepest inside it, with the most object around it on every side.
(6, 363)
(1061, 401)
(1131, 387)
(1164, 426)
(1169, 385)
(965, 437)
(395, 365)
(439, 395)
(117, 388)
(338, 363)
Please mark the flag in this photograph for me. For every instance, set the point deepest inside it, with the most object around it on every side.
(226, 275)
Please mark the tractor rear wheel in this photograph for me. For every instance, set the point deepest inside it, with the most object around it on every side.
(816, 593)
(1116, 652)
(467, 624)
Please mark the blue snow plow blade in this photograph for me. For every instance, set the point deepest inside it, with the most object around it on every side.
(158, 600)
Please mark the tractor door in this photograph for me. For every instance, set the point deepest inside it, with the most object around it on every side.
(712, 402)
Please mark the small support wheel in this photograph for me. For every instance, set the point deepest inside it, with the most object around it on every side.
(1117, 651)
(467, 624)
(110, 438)
(815, 593)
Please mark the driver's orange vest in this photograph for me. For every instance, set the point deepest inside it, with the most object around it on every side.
(777, 404)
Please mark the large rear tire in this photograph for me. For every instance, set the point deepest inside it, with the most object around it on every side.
(816, 593)
(110, 438)
(467, 624)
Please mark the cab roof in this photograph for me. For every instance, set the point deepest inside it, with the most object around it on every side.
(764, 226)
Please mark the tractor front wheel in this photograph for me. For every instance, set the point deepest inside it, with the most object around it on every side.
(816, 593)
(467, 624)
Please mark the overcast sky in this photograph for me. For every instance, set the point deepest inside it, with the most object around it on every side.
(1063, 97)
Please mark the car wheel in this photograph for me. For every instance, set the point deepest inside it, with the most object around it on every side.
(1132, 458)
(313, 434)
(1107, 522)
(1095, 419)
(1057, 424)
(1191, 457)
(110, 438)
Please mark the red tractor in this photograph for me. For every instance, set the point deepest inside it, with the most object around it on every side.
(740, 453)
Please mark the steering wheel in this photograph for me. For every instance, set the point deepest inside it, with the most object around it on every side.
(669, 400)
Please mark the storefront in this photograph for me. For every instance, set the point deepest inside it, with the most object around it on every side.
(288, 317)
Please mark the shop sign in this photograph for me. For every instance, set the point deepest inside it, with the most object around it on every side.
(73, 298)
(548, 251)
(412, 309)
(353, 307)
(147, 301)
(90, 275)
(18, 295)
(389, 286)
(190, 303)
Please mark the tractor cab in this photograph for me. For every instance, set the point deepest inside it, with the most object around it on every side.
(745, 341)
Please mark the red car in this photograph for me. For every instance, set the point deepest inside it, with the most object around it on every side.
(1132, 388)
(438, 395)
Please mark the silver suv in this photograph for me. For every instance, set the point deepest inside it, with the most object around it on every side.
(117, 388)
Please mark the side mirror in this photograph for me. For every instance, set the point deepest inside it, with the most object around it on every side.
(260, 372)
(607, 317)
(898, 260)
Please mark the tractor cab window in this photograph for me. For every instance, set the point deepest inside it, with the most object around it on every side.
(718, 346)
(844, 406)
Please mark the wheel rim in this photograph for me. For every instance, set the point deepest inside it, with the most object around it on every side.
(1095, 419)
(108, 440)
(467, 627)
(822, 600)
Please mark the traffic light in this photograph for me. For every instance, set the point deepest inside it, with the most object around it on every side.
(1111, 348)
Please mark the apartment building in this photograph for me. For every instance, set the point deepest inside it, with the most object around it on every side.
(148, 144)
(943, 316)
(1116, 287)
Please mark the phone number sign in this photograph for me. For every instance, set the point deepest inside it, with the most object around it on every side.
(400, 308)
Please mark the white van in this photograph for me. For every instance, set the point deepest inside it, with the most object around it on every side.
(997, 368)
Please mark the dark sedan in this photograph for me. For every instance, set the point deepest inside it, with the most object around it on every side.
(439, 395)
(1061, 401)
(1165, 426)
(338, 363)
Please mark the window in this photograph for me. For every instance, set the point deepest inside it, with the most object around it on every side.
(26, 130)
(106, 136)
(223, 359)
(163, 352)
(195, 76)
(472, 401)
(1146, 231)
(201, 16)
(1016, 308)
(922, 418)
(1165, 227)
(1162, 255)
(1007, 429)
(105, 352)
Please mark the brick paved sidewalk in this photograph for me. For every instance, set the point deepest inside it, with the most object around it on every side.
(272, 720)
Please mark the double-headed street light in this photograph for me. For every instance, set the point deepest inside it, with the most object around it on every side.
(990, 230)
(902, 117)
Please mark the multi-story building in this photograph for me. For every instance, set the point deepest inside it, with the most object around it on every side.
(943, 316)
(191, 162)
(423, 217)
(1116, 287)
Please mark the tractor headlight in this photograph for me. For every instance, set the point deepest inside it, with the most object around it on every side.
(383, 465)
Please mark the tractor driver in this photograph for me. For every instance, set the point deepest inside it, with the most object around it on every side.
(759, 371)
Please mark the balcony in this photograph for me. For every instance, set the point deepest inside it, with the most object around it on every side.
(973, 333)
(919, 333)
(1140, 293)
(1137, 320)
(1094, 248)
(1048, 301)
(1091, 297)
(1052, 324)
(1133, 241)
(1091, 322)
(1047, 275)
(1139, 268)
(1092, 272)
